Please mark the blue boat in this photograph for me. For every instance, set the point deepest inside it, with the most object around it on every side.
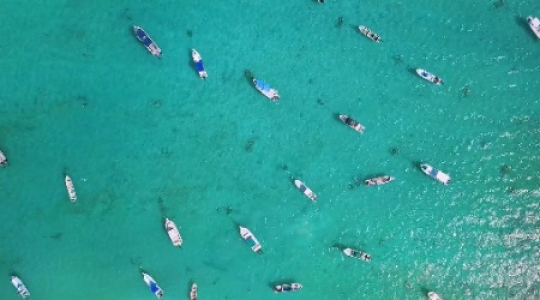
(265, 89)
(197, 59)
(147, 41)
(152, 284)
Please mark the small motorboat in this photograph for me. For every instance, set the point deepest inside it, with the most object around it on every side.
(250, 239)
(173, 232)
(357, 254)
(152, 284)
(21, 288)
(3, 160)
(352, 123)
(429, 77)
(379, 180)
(193, 293)
(435, 174)
(370, 34)
(265, 89)
(287, 287)
(70, 189)
(306, 190)
(434, 296)
(197, 59)
(147, 41)
(534, 23)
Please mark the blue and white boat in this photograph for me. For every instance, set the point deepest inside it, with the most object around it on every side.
(147, 41)
(305, 190)
(250, 239)
(429, 76)
(197, 59)
(21, 288)
(152, 284)
(266, 90)
(435, 174)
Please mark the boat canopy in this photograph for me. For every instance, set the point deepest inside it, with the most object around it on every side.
(262, 85)
(434, 172)
(199, 66)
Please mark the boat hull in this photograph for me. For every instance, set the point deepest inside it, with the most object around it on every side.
(429, 76)
(197, 59)
(70, 189)
(306, 190)
(147, 41)
(352, 123)
(370, 34)
(379, 180)
(21, 288)
(357, 254)
(287, 287)
(173, 232)
(152, 284)
(266, 90)
(250, 239)
(434, 296)
(435, 174)
(193, 292)
(534, 24)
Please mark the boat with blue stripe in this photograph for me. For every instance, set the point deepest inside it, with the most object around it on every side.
(152, 284)
(265, 89)
(147, 41)
(435, 174)
(21, 288)
(197, 59)
(250, 240)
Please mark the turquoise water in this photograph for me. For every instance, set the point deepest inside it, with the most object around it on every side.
(145, 138)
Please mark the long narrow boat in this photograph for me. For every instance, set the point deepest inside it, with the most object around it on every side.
(173, 232)
(534, 24)
(21, 288)
(3, 160)
(197, 59)
(379, 180)
(147, 41)
(250, 239)
(152, 284)
(287, 287)
(429, 76)
(361, 255)
(70, 189)
(352, 123)
(306, 190)
(265, 89)
(193, 292)
(435, 174)
(370, 34)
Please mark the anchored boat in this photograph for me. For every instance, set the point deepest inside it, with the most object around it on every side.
(429, 76)
(21, 288)
(287, 287)
(352, 123)
(357, 254)
(370, 34)
(197, 59)
(379, 180)
(306, 190)
(193, 293)
(147, 41)
(250, 239)
(70, 189)
(152, 284)
(435, 174)
(534, 23)
(3, 160)
(265, 89)
(434, 296)
(173, 232)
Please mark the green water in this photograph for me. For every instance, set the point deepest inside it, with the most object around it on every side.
(144, 138)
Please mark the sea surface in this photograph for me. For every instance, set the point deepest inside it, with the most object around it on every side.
(145, 138)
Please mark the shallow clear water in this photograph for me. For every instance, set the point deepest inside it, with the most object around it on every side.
(145, 138)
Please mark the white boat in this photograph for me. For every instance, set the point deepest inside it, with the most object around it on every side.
(70, 189)
(287, 287)
(435, 174)
(193, 292)
(250, 239)
(370, 34)
(152, 284)
(265, 89)
(173, 233)
(306, 190)
(147, 41)
(534, 23)
(429, 76)
(197, 59)
(434, 296)
(379, 180)
(352, 123)
(357, 254)
(3, 160)
(21, 288)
